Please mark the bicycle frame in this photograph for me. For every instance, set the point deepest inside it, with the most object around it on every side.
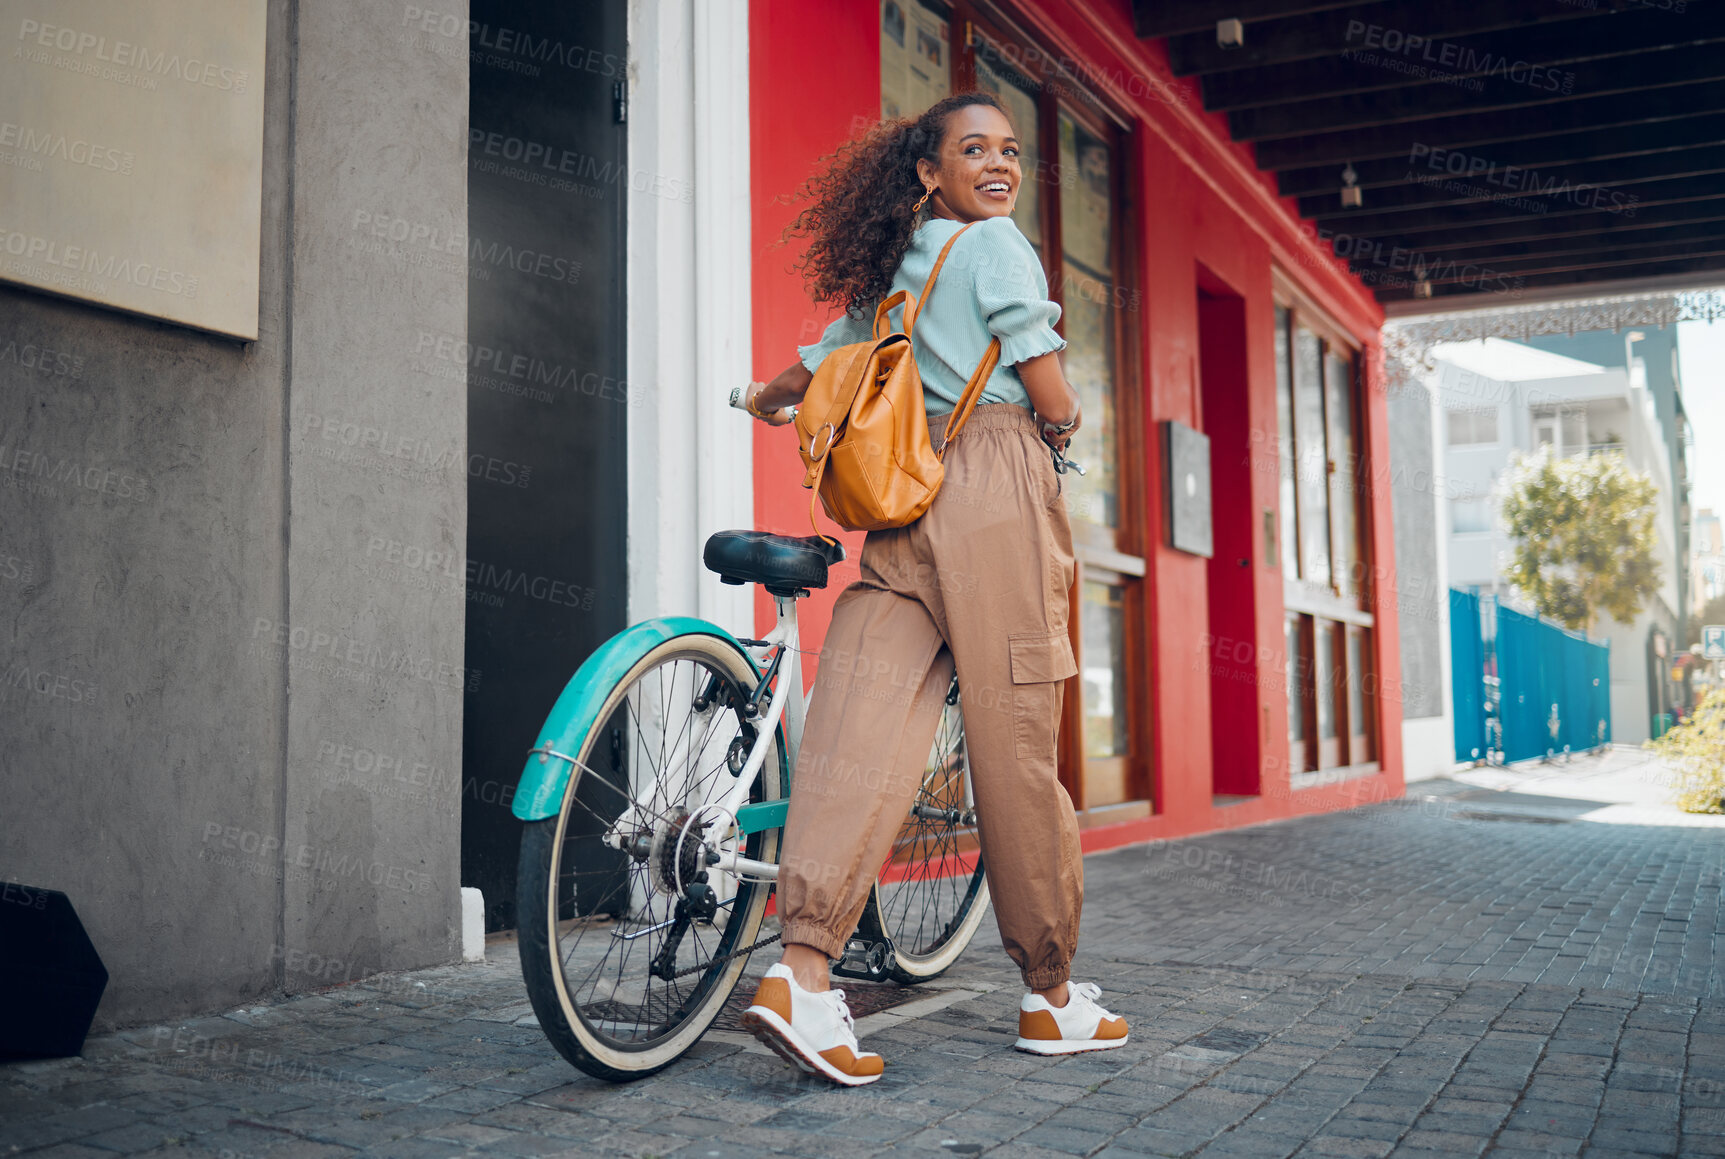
(786, 705)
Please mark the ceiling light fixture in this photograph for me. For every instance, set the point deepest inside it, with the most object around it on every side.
(1350, 188)
(1230, 33)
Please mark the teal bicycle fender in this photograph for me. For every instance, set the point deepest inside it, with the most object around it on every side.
(546, 779)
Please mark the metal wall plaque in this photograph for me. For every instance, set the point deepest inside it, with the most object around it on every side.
(1187, 454)
(131, 155)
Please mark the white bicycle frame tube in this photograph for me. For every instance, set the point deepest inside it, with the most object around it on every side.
(786, 704)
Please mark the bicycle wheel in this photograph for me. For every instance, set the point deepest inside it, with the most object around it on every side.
(629, 945)
(932, 894)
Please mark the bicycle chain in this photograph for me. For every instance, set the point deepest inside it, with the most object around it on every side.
(711, 962)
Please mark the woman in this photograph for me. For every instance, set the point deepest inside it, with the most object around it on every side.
(981, 581)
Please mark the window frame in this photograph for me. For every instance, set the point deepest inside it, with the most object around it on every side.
(1341, 610)
(1122, 558)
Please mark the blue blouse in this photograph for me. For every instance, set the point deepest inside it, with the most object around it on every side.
(992, 286)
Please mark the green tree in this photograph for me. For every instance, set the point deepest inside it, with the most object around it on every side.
(1583, 533)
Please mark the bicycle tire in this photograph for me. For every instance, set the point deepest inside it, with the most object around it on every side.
(557, 896)
(931, 897)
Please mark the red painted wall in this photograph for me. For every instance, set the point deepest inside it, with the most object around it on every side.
(1198, 204)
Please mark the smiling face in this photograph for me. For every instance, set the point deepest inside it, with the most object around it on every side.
(978, 174)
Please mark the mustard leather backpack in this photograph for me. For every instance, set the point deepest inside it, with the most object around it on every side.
(862, 428)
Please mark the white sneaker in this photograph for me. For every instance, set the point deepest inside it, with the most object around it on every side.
(811, 1031)
(1079, 1026)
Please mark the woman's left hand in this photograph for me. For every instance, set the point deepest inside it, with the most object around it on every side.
(774, 418)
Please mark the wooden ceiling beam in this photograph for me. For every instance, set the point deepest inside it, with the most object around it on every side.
(1643, 140)
(1579, 279)
(1564, 47)
(1485, 215)
(1555, 247)
(1450, 270)
(1455, 235)
(1472, 130)
(1600, 79)
(1157, 18)
(1327, 33)
(1616, 187)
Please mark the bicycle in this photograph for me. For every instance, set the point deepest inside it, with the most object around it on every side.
(654, 802)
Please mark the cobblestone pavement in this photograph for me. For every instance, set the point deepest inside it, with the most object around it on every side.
(1488, 966)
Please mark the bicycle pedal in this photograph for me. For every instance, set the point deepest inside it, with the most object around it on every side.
(869, 960)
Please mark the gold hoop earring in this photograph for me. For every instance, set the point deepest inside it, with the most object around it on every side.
(917, 208)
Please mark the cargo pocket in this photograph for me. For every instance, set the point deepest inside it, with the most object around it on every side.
(1041, 661)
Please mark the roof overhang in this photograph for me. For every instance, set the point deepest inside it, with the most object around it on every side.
(1458, 151)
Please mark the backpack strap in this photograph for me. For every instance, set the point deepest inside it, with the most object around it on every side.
(921, 304)
(979, 379)
(972, 392)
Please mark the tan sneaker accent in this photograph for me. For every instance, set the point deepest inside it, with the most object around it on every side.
(774, 995)
(1082, 1025)
(811, 1031)
(852, 1063)
(1038, 1024)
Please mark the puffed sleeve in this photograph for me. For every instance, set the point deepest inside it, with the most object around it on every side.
(843, 330)
(1012, 293)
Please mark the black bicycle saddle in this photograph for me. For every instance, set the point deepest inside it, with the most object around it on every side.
(784, 564)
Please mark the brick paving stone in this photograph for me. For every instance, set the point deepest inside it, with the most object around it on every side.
(1442, 987)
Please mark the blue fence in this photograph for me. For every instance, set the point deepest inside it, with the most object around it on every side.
(1467, 655)
(1524, 687)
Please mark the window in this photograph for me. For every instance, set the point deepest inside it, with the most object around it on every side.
(915, 57)
(1469, 516)
(1285, 445)
(1325, 556)
(1317, 406)
(1070, 151)
(1472, 426)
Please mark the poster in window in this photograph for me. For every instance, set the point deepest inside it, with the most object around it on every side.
(1021, 111)
(915, 65)
(893, 97)
(1085, 196)
(1089, 363)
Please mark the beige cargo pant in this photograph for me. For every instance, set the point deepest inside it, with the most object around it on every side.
(980, 581)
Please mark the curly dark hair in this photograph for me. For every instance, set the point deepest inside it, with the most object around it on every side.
(860, 222)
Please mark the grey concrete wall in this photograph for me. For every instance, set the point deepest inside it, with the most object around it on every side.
(1416, 530)
(233, 815)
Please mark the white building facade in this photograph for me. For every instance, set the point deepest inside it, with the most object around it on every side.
(1498, 399)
